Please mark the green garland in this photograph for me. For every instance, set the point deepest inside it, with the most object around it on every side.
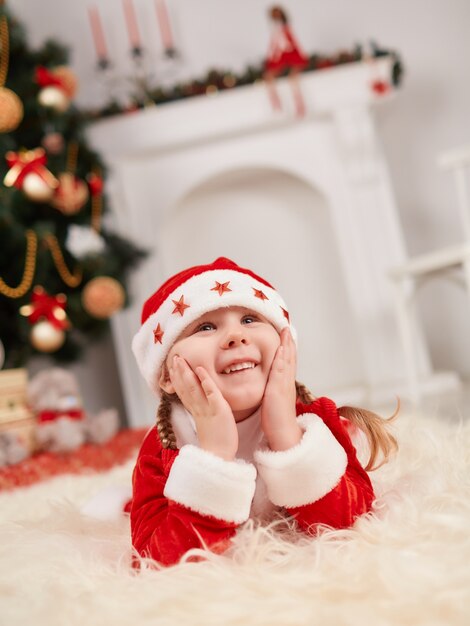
(222, 80)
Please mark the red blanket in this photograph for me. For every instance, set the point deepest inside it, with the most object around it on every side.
(88, 458)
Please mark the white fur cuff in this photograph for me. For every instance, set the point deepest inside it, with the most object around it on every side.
(210, 485)
(306, 472)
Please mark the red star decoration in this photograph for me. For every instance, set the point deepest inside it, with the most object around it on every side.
(380, 87)
(180, 306)
(259, 294)
(221, 287)
(286, 314)
(158, 334)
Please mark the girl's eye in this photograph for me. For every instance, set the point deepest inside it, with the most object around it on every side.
(248, 319)
(205, 326)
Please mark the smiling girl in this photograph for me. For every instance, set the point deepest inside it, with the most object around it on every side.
(236, 435)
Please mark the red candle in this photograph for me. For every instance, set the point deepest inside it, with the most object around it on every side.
(131, 21)
(98, 34)
(164, 24)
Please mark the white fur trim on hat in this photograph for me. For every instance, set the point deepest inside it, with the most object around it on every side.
(308, 471)
(198, 292)
(210, 485)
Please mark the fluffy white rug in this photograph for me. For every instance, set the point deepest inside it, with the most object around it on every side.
(409, 563)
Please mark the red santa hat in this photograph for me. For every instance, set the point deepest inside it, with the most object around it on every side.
(183, 298)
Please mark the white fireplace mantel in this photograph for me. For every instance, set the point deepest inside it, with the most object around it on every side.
(164, 159)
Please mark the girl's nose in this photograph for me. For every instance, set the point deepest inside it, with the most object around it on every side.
(234, 337)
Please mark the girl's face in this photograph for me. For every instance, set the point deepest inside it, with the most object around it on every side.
(236, 346)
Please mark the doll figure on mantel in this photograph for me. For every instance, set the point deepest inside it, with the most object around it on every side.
(284, 54)
(236, 436)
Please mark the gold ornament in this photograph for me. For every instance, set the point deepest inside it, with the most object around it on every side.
(36, 188)
(45, 337)
(11, 110)
(102, 297)
(70, 195)
(55, 98)
(11, 107)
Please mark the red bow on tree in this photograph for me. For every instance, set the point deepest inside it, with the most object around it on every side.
(46, 78)
(28, 162)
(43, 306)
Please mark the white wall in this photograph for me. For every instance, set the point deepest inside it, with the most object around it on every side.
(430, 114)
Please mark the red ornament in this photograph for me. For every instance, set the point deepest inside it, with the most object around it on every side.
(50, 308)
(259, 294)
(28, 162)
(95, 183)
(380, 87)
(158, 334)
(221, 287)
(180, 306)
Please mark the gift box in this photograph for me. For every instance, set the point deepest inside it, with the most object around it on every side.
(15, 416)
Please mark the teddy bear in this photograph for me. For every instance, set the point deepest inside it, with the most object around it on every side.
(62, 423)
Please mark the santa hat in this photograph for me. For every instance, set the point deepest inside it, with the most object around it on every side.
(183, 298)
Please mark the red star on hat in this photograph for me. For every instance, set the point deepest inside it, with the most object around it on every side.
(180, 306)
(221, 287)
(286, 314)
(259, 294)
(157, 334)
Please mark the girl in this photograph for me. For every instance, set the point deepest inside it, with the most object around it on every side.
(236, 435)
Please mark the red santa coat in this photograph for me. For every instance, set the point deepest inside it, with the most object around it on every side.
(185, 495)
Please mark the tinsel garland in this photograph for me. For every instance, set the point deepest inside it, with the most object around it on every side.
(221, 80)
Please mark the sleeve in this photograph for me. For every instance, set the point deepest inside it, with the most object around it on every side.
(319, 481)
(187, 499)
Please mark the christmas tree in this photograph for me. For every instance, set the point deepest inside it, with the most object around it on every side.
(62, 270)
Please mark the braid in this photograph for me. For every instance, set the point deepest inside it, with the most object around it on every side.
(164, 427)
(303, 394)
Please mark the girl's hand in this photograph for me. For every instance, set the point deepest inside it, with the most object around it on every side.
(215, 424)
(278, 416)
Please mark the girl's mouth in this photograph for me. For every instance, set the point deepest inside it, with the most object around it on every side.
(238, 368)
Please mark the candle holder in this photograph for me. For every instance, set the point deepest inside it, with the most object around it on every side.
(108, 79)
(142, 76)
(171, 53)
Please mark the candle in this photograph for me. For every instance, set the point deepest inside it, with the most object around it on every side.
(131, 21)
(164, 24)
(98, 34)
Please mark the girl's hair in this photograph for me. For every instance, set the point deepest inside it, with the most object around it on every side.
(381, 442)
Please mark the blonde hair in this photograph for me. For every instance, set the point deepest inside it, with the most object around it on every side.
(381, 442)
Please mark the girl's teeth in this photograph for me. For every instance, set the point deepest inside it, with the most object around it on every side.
(239, 366)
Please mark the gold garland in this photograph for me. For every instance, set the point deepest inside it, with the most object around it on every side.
(72, 156)
(5, 50)
(29, 269)
(71, 280)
